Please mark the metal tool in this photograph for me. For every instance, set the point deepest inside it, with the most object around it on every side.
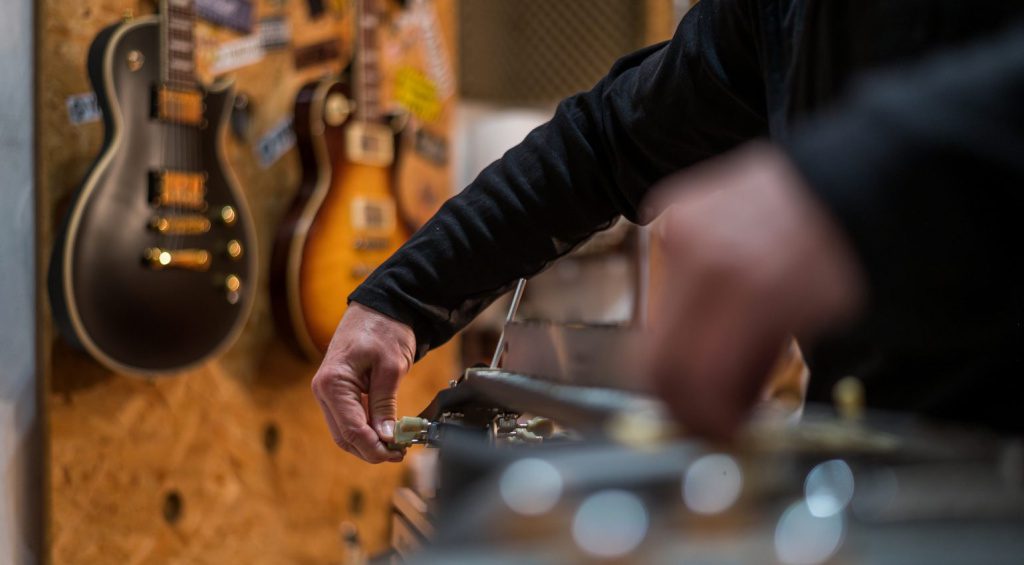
(517, 296)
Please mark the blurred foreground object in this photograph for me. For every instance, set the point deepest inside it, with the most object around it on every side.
(613, 477)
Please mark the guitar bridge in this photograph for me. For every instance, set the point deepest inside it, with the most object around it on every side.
(178, 189)
(191, 224)
(187, 259)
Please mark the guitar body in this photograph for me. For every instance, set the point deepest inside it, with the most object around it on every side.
(424, 179)
(341, 226)
(121, 286)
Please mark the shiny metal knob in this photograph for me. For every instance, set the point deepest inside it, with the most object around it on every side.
(233, 287)
(228, 216)
(234, 249)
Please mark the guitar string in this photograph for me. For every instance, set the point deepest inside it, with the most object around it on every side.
(197, 130)
(161, 167)
(181, 144)
(189, 132)
(171, 121)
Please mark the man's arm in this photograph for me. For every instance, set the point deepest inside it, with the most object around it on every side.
(658, 110)
(923, 167)
(918, 178)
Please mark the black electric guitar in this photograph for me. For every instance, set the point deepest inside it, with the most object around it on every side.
(155, 266)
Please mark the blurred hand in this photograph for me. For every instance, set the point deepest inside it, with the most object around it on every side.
(750, 259)
(368, 354)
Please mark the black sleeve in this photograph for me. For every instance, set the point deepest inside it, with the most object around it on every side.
(924, 168)
(658, 110)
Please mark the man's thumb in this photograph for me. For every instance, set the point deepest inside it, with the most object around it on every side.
(382, 402)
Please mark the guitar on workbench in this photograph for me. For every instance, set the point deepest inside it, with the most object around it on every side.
(343, 222)
(155, 265)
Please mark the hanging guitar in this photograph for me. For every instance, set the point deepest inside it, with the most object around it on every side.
(343, 222)
(154, 267)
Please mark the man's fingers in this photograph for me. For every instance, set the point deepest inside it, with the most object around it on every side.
(332, 426)
(382, 402)
(710, 344)
(742, 340)
(369, 446)
(346, 405)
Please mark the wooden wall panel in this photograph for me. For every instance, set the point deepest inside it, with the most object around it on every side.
(239, 443)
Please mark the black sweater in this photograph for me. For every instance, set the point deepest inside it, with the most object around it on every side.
(905, 117)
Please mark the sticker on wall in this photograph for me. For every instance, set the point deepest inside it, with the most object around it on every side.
(438, 62)
(275, 143)
(274, 33)
(415, 92)
(235, 14)
(238, 53)
(83, 108)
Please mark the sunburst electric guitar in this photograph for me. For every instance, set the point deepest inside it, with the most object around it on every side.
(343, 222)
(154, 267)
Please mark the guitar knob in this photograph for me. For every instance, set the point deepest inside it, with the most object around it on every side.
(233, 287)
(228, 216)
(336, 109)
(234, 249)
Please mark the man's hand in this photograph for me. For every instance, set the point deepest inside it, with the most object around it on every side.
(750, 259)
(368, 354)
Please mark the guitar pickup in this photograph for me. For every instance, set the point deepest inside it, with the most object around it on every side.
(191, 224)
(186, 259)
(372, 243)
(370, 144)
(360, 272)
(177, 189)
(179, 106)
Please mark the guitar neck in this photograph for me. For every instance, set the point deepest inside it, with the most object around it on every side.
(367, 61)
(179, 69)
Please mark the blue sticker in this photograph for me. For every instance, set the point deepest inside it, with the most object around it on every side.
(274, 33)
(83, 108)
(235, 14)
(275, 143)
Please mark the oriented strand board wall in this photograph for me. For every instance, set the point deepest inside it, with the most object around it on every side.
(230, 463)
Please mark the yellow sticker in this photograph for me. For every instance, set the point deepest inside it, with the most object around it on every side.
(415, 92)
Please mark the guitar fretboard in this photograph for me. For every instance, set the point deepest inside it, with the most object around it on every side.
(179, 43)
(367, 61)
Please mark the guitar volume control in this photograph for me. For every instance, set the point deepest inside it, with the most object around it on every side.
(228, 216)
(234, 249)
(232, 288)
